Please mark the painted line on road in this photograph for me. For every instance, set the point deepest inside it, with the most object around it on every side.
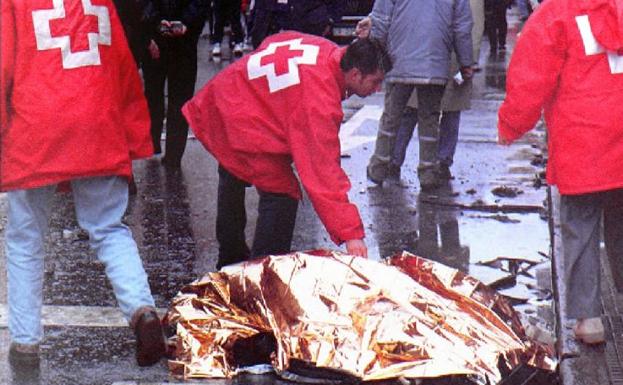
(348, 138)
(81, 316)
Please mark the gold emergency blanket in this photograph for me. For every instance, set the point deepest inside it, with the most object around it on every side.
(404, 317)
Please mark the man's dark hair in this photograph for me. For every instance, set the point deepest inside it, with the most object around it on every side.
(367, 55)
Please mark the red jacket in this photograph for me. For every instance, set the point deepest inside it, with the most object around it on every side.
(257, 123)
(68, 108)
(567, 63)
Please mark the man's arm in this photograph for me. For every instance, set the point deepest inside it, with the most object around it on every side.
(532, 75)
(462, 33)
(381, 17)
(194, 15)
(313, 138)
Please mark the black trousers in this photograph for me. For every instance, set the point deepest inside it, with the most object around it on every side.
(177, 68)
(496, 25)
(227, 12)
(274, 228)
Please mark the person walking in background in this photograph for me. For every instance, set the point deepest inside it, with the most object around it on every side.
(227, 12)
(71, 111)
(282, 125)
(315, 17)
(136, 19)
(572, 72)
(420, 34)
(456, 97)
(172, 61)
(496, 24)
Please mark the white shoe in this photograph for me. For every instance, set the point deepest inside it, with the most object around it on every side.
(216, 49)
(238, 49)
(590, 331)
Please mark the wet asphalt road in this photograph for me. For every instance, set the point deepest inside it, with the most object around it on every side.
(172, 218)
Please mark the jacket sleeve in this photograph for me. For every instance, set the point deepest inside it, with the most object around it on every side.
(462, 33)
(381, 16)
(336, 9)
(7, 59)
(195, 13)
(533, 72)
(315, 146)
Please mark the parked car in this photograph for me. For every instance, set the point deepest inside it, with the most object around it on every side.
(344, 30)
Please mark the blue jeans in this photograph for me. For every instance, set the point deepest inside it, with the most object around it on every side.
(448, 136)
(100, 204)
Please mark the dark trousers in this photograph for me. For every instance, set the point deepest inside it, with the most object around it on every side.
(227, 12)
(581, 218)
(496, 26)
(177, 67)
(274, 228)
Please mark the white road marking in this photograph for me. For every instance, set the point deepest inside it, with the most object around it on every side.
(348, 138)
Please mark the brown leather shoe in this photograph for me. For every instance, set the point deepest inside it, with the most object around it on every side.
(24, 355)
(150, 346)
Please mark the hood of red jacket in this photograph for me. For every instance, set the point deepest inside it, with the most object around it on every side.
(606, 17)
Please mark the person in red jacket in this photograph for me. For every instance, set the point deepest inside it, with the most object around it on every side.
(281, 105)
(71, 109)
(568, 64)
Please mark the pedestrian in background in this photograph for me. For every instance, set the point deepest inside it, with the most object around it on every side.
(282, 125)
(496, 24)
(227, 12)
(456, 97)
(136, 19)
(572, 72)
(315, 17)
(421, 35)
(172, 61)
(70, 111)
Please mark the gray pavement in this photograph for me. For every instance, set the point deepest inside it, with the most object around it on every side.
(464, 225)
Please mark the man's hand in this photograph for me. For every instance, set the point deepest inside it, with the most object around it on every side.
(467, 72)
(172, 28)
(154, 50)
(503, 141)
(362, 30)
(357, 247)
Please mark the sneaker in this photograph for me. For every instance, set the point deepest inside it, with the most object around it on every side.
(238, 49)
(150, 347)
(590, 331)
(216, 49)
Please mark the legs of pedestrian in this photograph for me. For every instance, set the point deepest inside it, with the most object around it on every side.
(502, 27)
(613, 234)
(100, 205)
(580, 219)
(275, 224)
(403, 138)
(231, 219)
(28, 214)
(154, 76)
(396, 97)
(448, 138)
(429, 101)
(181, 87)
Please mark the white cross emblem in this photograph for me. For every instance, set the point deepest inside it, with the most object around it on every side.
(592, 47)
(45, 40)
(276, 82)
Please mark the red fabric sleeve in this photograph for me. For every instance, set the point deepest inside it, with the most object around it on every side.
(533, 72)
(313, 136)
(7, 58)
